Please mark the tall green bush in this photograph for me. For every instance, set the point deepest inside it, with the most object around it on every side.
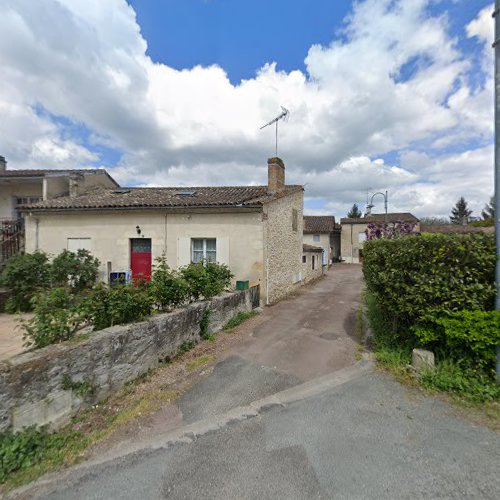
(168, 287)
(76, 270)
(417, 275)
(206, 279)
(24, 275)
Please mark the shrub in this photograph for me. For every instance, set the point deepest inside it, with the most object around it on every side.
(469, 337)
(206, 279)
(106, 306)
(239, 318)
(24, 275)
(57, 317)
(76, 270)
(168, 287)
(416, 275)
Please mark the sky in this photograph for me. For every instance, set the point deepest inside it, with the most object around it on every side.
(392, 95)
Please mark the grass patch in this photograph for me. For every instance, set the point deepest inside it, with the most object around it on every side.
(199, 362)
(239, 318)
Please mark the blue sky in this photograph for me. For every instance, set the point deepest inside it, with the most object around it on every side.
(384, 94)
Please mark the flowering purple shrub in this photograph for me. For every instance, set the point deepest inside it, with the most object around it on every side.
(391, 231)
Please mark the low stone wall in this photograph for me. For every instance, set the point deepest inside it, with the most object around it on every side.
(49, 385)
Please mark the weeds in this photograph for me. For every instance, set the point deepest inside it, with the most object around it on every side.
(239, 318)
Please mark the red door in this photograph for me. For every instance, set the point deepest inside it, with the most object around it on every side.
(140, 259)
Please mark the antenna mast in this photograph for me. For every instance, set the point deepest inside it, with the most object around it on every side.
(284, 115)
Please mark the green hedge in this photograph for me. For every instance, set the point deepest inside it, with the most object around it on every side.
(418, 275)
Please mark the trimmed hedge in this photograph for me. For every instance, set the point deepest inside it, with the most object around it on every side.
(419, 275)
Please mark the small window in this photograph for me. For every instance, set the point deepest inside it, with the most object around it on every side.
(313, 262)
(316, 237)
(295, 219)
(75, 244)
(28, 200)
(304, 259)
(203, 250)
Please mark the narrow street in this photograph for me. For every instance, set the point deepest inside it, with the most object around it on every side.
(289, 412)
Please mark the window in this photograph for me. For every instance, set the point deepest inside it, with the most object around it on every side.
(203, 249)
(313, 262)
(28, 200)
(304, 259)
(361, 239)
(295, 219)
(75, 244)
(316, 237)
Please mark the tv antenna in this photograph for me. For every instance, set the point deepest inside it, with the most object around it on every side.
(284, 115)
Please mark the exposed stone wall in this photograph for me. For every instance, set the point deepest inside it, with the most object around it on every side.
(283, 245)
(34, 385)
(308, 273)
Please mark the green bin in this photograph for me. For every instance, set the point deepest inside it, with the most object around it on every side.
(242, 285)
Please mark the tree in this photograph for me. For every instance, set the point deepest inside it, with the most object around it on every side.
(460, 213)
(355, 212)
(489, 210)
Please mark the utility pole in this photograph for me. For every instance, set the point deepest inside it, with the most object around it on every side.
(496, 46)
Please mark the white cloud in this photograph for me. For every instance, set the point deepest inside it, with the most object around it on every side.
(393, 78)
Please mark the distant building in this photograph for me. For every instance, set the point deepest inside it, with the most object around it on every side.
(322, 231)
(353, 232)
(312, 262)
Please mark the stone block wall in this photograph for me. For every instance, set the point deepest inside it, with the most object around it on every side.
(308, 273)
(283, 245)
(34, 386)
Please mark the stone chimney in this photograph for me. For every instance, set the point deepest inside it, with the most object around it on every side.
(75, 184)
(3, 164)
(275, 175)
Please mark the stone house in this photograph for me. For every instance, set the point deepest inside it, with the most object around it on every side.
(353, 232)
(322, 231)
(255, 230)
(312, 262)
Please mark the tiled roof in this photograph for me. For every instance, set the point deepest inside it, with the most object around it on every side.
(311, 248)
(14, 174)
(319, 224)
(165, 197)
(393, 217)
(454, 229)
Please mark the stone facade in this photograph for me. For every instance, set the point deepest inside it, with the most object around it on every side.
(283, 228)
(312, 270)
(42, 387)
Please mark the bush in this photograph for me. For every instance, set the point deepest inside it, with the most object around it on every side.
(469, 337)
(206, 279)
(106, 306)
(168, 288)
(24, 275)
(76, 270)
(413, 276)
(57, 317)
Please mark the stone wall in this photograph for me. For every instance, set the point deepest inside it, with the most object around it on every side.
(283, 245)
(48, 386)
(308, 273)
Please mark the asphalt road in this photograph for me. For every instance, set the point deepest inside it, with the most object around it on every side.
(366, 438)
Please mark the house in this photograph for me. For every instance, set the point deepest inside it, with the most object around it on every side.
(255, 230)
(353, 232)
(18, 187)
(321, 230)
(312, 262)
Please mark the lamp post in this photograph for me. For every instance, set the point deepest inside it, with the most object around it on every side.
(496, 46)
(386, 198)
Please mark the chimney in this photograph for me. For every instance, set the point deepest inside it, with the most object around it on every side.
(75, 184)
(275, 175)
(3, 164)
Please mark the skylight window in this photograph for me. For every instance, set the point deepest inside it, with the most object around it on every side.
(121, 191)
(185, 193)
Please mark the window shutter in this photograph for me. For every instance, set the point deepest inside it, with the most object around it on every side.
(223, 251)
(183, 251)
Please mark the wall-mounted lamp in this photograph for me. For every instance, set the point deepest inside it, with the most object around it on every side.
(138, 229)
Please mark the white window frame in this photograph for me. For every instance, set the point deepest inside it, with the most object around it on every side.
(316, 237)
(204, 240)
(79, 246)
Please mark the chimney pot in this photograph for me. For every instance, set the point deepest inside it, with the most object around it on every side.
(3, 164)
(275, 175)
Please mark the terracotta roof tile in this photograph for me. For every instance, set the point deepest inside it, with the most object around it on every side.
(454, 229)
(392, 217)
(165, 197)
(311, 248)
(319, 224)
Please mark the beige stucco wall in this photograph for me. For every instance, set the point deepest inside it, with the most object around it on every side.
(283, 246)
(324, 243)
(307, 271)
(10, 189)
(239, 237)
(350, 252)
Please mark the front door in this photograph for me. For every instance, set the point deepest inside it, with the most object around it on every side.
(140, 259)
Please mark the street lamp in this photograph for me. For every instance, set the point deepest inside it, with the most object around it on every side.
(371, 205)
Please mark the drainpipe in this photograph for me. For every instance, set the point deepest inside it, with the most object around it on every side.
(352, 249)
(37, 234)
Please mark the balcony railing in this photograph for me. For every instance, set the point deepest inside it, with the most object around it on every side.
(11, 238)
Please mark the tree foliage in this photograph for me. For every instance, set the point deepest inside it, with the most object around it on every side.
(488, 212)
(377, 231)
(460, 213)
(355, 212)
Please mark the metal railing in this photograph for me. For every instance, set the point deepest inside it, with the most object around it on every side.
(11, 239)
